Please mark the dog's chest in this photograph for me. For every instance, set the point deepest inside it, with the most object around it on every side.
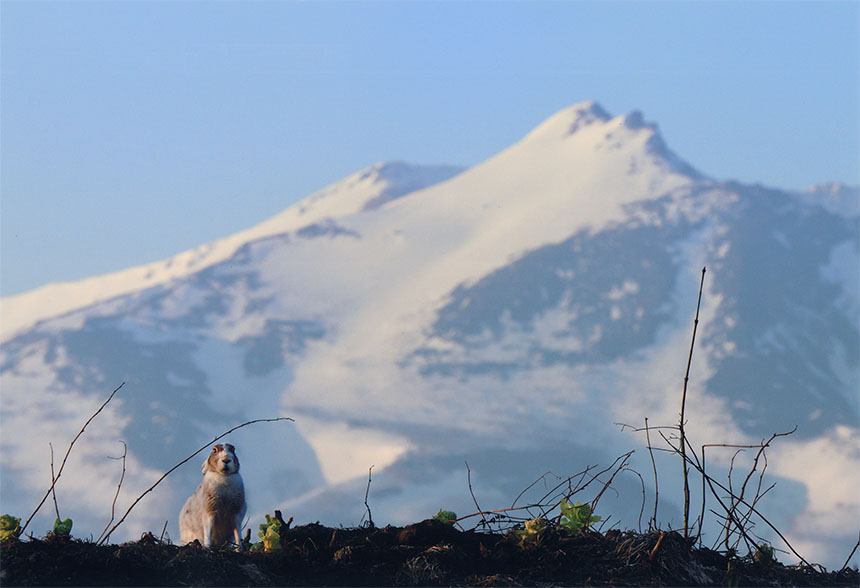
(228, 495)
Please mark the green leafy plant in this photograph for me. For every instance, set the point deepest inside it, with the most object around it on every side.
(533, 533)
(270, 535)
(10, 527)
(62, 528)
(446, 516)
(576, 518)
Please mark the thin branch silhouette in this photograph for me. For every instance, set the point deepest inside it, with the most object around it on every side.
(121, 478)
(68, 451)
(683, 408)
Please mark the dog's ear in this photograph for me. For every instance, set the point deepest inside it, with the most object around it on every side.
(205, 467)
(231, 451)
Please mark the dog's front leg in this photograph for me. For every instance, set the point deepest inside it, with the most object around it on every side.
(207, 530)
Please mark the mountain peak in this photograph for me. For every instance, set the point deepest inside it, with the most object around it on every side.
(571, 119)
(636, 120)
(591, 126)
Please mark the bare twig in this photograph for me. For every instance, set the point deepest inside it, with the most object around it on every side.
(622, 458)
(366, 494)
(641, 508)
(736, 500)
(482, 513)
(704, 496)
(53, 481)
(183, 462)
(747, 518)
(683, 407)
(548, 502)
(652, 523)
(759, 494)
(118, 486)
(68, 451)
(529, 487)
(552, 499)
(732, 503)
(656, 546)
(652, 428)
(760, 454)
(712, 483)
(603, 523)
(606, 485)
(850, 555)
(472, 493)
(573, 489)
(284, 524)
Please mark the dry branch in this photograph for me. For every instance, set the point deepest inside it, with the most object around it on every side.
(118, 486)
(366, 494)
(68, 451)
(550, 500)
(529, 487)
(850, 555)
(472, 493)
(712, 483)
(652, 523)
(641, 508)
(683, 407)
(606, 485)
(53, 480)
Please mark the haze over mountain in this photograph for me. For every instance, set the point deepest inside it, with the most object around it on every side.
(510, 315)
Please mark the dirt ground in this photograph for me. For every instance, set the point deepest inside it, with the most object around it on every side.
(429, 553)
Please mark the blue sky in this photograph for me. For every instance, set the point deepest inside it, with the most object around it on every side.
(132, 131)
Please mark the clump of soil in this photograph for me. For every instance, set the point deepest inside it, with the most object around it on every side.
(430, 553)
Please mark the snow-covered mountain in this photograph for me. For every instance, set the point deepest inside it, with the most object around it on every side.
(413, 318)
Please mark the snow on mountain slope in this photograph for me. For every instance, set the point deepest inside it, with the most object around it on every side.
(509, 316)
(540, 190)
(368, 190)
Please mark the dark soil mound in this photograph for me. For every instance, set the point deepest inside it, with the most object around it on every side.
(429, 553)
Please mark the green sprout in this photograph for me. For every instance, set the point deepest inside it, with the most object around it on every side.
(533, 532)
(576, 518)
(62, 528)
(270, 535)
(446, 516)
(10, 527)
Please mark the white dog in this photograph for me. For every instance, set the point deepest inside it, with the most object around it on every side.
(213, 514)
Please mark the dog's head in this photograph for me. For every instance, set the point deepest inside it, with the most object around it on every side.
(222, 460)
